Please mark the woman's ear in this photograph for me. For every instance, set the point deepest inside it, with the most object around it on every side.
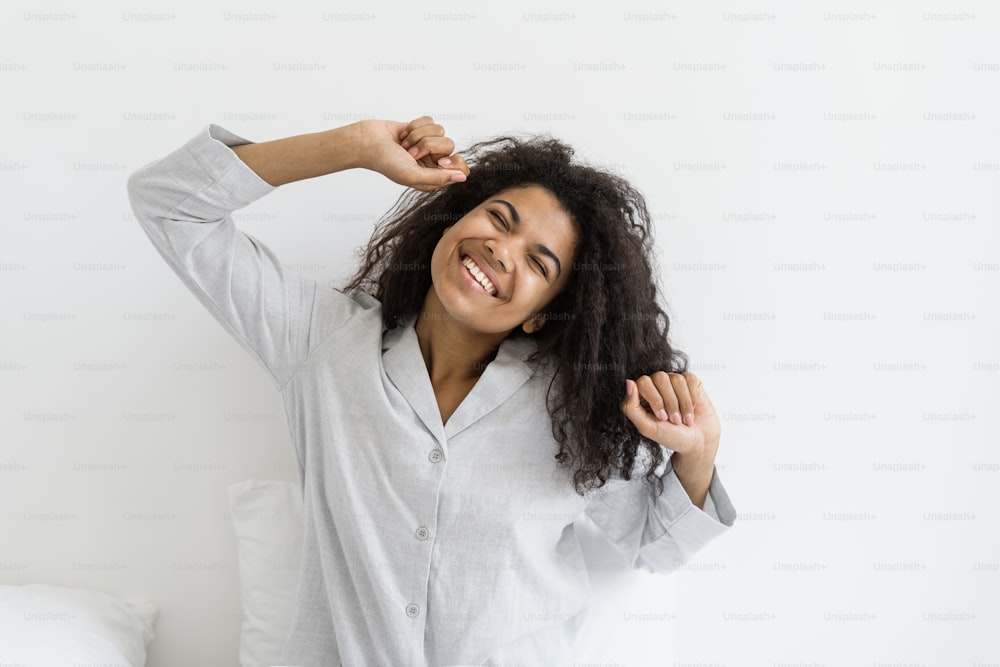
(534, 324)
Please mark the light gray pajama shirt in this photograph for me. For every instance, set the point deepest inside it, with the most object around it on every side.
(425, 543)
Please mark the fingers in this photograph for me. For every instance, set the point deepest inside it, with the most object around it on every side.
(670, 396)
(416, 133)
(427, 144)
(644, 422)
(681, 408)
(455, 161)
(427, 180)
(414, 124)
(430, 146)
(430, 140)
(651, 394)
(649, 398)
(434, 152)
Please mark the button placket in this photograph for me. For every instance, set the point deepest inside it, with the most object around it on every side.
(422, 532)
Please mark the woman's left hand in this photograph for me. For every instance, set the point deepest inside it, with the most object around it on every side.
(675, 412)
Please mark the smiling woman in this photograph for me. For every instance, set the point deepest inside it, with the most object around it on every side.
(569, 249)
(498, 367)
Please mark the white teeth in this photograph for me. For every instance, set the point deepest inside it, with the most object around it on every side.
(479, 275)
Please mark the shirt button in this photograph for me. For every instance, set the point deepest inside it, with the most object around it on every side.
(412, 610)
(436, 455)
(422, 533)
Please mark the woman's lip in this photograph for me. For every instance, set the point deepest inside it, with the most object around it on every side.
(473, 283)
(484, 267)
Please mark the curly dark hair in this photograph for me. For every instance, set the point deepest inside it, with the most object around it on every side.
(606, 325)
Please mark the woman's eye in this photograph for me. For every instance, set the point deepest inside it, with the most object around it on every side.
(541, 266)
(500, 218)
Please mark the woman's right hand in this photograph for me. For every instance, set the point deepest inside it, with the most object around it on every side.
(388, 148)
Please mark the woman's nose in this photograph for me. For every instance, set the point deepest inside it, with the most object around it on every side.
(499, 254)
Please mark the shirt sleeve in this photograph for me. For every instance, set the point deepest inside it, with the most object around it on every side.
(659, 534)
(184, 203)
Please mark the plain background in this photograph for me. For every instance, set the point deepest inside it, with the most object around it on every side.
(823, 178)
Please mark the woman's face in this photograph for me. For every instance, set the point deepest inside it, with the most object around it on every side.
(524, 243)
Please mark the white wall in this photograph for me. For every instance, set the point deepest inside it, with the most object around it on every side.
(824, 181)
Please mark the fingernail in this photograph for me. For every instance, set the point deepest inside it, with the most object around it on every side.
(676, 418)
(662, 414)
(413, 151)
(458, 177)
(444, 161)
(689, 419)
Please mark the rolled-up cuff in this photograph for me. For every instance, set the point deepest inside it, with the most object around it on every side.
(212, 148)
(679, 528)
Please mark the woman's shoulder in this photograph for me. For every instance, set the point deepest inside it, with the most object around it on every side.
(336, 308)
(348, 302)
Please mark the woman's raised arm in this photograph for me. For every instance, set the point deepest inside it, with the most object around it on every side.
(304, 156)
(184, 202)
(382, 146)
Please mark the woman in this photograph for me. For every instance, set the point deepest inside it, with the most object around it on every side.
(498, 367)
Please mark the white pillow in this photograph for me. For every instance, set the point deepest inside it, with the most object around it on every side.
(267, 517)
(42, 625)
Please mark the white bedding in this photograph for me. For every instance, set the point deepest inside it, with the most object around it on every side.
(56, 626)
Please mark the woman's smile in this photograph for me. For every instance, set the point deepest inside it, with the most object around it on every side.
(468, 264)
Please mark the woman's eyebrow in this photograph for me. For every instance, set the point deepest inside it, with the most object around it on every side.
(538, 246)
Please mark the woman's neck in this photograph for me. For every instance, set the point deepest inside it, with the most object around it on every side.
(452, 351)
